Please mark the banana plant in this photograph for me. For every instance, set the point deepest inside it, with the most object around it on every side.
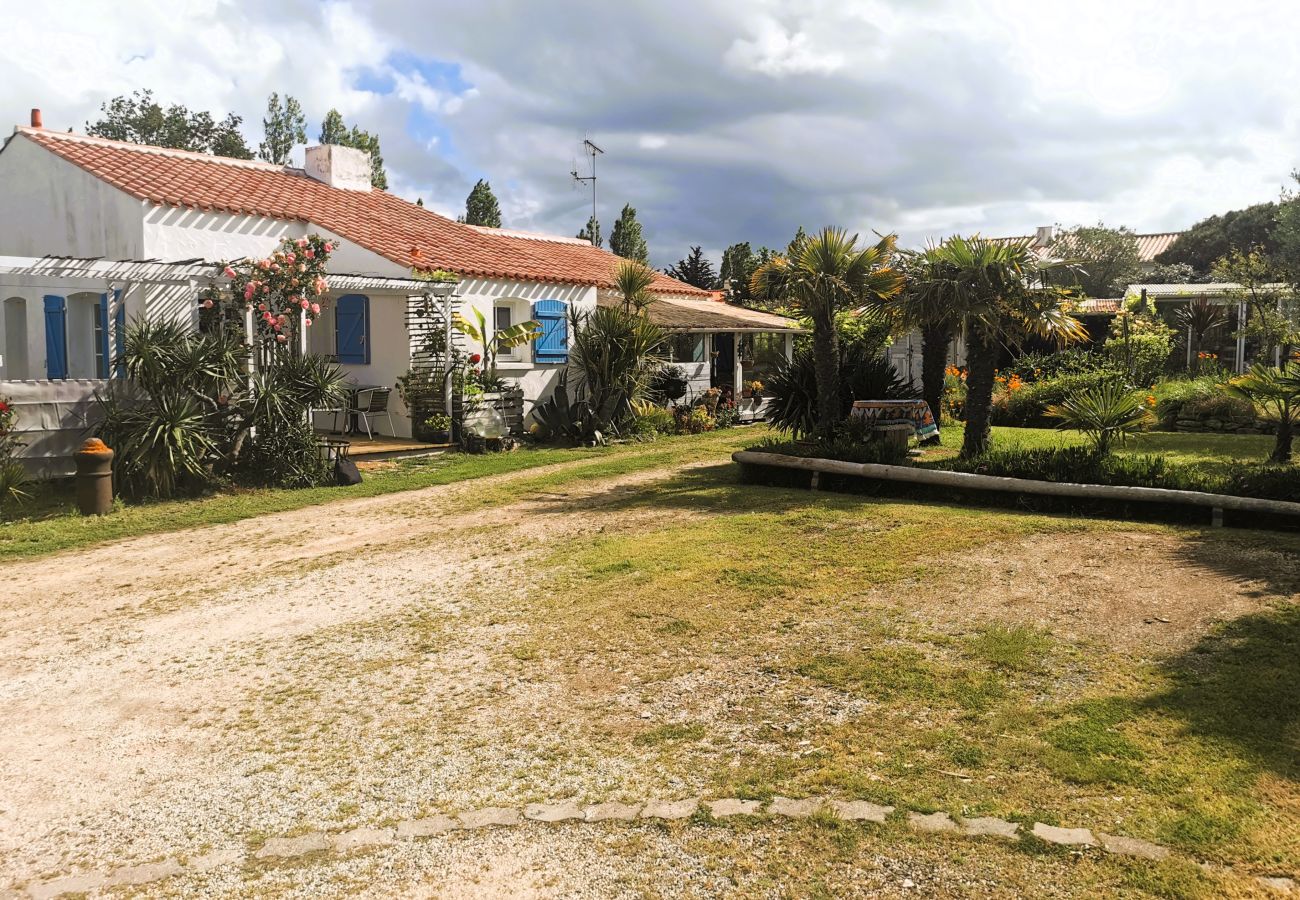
(495, 341)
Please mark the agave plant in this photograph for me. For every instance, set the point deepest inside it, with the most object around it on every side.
(1106, 413)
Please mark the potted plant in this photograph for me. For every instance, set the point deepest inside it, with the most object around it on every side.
(437, 428)
(753, 390)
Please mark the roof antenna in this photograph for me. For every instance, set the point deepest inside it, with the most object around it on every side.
(591, 150)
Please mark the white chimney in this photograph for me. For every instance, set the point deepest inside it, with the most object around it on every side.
(340, 167)
(1044, 235)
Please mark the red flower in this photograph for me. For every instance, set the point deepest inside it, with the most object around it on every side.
(474, 358)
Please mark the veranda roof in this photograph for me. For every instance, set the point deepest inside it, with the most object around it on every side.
(689, 314)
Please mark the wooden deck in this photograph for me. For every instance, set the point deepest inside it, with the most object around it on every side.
(383, 447)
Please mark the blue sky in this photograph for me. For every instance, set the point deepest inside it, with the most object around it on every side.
(727, 121)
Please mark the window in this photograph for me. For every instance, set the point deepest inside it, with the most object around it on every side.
(15, 348)
(686, 348)
(552, 344)
(503, 317)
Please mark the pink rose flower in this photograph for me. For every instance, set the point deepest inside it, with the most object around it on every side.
(315, 309)
(281, 338)
(310, 254)
(228, 272)
(261, 307)
(207, 304)
(304, 304)
(329, 248)
(301, 242)
(308, 323)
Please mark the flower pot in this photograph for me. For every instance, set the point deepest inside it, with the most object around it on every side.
(440, 437)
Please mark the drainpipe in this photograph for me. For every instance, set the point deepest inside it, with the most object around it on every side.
(446, 380)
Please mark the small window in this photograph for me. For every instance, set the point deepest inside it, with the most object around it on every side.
(503, 318)
(686, 348)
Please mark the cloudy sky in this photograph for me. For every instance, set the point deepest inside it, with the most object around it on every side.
(726, 121)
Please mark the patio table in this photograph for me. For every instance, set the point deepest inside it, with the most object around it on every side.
(350, 392)
(891, 412)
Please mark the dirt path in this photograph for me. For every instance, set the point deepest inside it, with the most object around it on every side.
(122, 668)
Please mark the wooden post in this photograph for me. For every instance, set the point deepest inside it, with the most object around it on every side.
(738, 372)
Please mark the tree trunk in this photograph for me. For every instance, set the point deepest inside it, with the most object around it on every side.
(934, 365)
(1282, 446)
(826, 360)
(981, 365)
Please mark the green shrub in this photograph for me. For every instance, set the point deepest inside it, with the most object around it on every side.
(1151, 350)
(1107, 412)
(1044, 366)
(284, 456)
(651, 420)
(1185, 398)
(865, 374)
(693, 419)
(1027, 407)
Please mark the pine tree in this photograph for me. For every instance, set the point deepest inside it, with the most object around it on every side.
(285, 127)
(592, 233)
(333, 130)
(626, 240)
(481, 207)
(695, 269)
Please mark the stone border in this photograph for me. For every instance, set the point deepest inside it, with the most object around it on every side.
(569, 811)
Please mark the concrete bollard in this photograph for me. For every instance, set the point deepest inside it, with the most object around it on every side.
(94, 478)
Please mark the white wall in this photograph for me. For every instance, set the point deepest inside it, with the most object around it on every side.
(50, 206)
(536, 380)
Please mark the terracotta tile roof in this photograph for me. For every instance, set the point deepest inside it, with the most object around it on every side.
(690, 314)
(383, 223)
(1093, 306)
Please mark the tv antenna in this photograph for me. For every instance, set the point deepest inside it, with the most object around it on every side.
(593, 151)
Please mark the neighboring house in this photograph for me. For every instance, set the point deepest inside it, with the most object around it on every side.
(1149, 245)
(69, 195)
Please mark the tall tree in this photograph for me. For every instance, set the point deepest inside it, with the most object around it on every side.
(284, 126)
(1215, 237)
(481, 207)
(626, 240)
(739, 263)
(1002, 293)
(333, 130)
(829, 274)
(1107, 259)
(591, 232)
(142, 120)
(695, 269)
(929, 312)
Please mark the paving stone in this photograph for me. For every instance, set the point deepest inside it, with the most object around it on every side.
(145, 873)
(294, 846)
(413, 828)
(1126, 846)
(795, 809)
(363, 837)
(939, 821)
(669, 809)
(617, 812)
(1281, 885)
(988, 826)
(68, 884)
(860, 811)
(730, 806)
(215, 859)
(490, 815)
(552, 812)
(1066, 837)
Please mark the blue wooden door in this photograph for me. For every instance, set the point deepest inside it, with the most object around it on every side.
(352, 329)
(56, 337)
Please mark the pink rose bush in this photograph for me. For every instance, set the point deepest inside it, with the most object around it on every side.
(283, 288)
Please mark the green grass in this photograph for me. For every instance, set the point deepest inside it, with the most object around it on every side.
(49, 522)
(1212, 452)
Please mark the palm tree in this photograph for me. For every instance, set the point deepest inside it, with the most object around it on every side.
(824, 275)
(1277, 392)
(926, 312)
(999, 292)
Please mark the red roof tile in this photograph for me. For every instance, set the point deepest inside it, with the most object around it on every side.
(381, 222)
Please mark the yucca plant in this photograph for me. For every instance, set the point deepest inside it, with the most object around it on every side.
(1107, 413)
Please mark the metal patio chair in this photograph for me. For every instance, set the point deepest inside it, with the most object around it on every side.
(371, 403)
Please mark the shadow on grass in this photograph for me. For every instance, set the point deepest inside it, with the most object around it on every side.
(1239, 687)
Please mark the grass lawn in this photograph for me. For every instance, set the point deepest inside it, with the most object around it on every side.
(49, 522)
(1212, 452)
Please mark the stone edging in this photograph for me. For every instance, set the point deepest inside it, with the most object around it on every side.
(649, 810)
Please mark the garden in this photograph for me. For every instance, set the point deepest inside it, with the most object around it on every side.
(1107, 413)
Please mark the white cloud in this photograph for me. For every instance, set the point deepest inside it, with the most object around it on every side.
(778, 51)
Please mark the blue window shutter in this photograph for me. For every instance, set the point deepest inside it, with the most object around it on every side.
(352, 329)
(105, 351)
(119, 331)
(552, 345)
(56, 337)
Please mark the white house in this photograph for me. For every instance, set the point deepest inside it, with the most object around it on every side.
(70, 195)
